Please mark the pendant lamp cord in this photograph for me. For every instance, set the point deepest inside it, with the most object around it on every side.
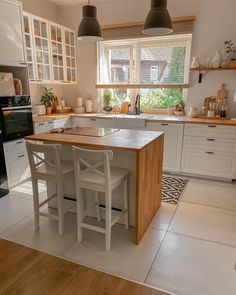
(88, 2)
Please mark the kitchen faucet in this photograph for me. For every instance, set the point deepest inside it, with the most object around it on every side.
(137, 106)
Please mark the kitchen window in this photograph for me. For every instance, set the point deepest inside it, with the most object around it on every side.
(158, 66)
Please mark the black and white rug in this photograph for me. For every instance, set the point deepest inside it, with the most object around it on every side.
(172, 188)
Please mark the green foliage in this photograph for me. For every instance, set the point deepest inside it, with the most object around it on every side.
(167, 98)
(48, 97)
(107, 97)
(161, 98)
(176, 70)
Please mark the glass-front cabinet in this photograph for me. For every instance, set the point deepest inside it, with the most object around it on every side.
(41, 49)
(70, 56)
(29, 46)
(57, 53)
(50, 51)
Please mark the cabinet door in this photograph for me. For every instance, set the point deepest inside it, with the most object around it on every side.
(41, 49)
(209, 163)
(11, 33)
(18, 169)
(93, 122)
(173, 143)
(56, 40)
(30, 57)
(49, 126)
(70, 56)
(40, 128)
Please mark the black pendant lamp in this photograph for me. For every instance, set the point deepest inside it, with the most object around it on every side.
(158, 20)
(89, 28)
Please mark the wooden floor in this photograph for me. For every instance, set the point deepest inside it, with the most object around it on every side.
(27, 271)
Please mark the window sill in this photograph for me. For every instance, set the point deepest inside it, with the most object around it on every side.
(142, 86)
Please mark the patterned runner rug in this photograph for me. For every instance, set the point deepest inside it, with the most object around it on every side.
(172, 188)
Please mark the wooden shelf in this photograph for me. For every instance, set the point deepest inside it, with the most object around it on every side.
(141, 86)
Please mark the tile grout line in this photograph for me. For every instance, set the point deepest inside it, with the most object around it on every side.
(209, 206)
(166, 232)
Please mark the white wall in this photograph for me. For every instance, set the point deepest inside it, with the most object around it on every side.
(48, 11)
(214, 24)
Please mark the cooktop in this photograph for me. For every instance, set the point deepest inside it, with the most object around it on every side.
(90, 131)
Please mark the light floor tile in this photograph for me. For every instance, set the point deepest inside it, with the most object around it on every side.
(163, 217)
(211, 193)
(46, 239)
(189, 266)
(13, 210)
(213, 224)
(125, 259)
(24, 190)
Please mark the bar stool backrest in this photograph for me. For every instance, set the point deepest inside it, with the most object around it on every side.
(44, 154)
(97, 161)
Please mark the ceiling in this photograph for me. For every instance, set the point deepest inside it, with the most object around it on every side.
(72, 2)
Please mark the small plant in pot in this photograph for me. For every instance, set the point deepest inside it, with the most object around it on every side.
(47, 99)
(107, 99)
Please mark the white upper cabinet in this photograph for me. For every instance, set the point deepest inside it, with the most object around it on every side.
(57, 56)
(50, 51)
(12, 51)
(70, 56)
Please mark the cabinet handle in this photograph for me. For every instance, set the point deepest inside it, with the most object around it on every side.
(211, 139)
(210, 153)
(41, 124)
(164, 124)
(19, 142)
(212, 126)
(23, 63)
(21, 156)
(93, 119)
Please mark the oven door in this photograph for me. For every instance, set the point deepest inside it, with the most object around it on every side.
(17, 122)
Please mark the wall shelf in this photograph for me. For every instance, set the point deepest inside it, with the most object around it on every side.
(201, 70)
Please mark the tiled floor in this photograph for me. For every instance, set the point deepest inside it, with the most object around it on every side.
(189, 248)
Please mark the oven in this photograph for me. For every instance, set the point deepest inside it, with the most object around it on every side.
(16, 118)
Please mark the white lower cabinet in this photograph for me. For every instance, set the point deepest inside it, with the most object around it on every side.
(40, 127)
(209, 163)
(17, 164)
(209, 150)
(92, 122)
(172, 143)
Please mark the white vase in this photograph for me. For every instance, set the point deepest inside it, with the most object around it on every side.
(195, 63)
(192, 112)
(216, 60)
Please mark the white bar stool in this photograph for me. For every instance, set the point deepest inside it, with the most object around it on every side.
(98, 176)
(45, 164)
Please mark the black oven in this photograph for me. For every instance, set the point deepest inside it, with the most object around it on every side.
(16, 117)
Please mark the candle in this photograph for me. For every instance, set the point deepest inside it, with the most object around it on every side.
(79, 102)
(89, 106)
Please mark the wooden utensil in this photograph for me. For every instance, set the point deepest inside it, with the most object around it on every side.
(222, 94)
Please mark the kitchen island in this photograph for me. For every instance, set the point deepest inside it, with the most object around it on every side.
(139, 151)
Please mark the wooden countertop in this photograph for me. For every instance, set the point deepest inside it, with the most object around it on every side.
(147, 117)
(131, 140)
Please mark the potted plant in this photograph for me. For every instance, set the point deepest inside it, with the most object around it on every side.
(107, 99)
(47, 99)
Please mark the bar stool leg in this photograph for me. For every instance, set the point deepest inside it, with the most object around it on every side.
(36, 202)
(108, 221)
(126, 202)
(97, 206)
(60, 207)
(79, 207)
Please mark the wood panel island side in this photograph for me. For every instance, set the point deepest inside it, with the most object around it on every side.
(139, 151)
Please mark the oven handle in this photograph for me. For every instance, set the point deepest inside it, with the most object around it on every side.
(16, 108)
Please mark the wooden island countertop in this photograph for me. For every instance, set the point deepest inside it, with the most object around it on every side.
(145, 166)
(130, 140)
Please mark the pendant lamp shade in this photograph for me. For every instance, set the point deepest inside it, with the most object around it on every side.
(89, 28)
(158, 20)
